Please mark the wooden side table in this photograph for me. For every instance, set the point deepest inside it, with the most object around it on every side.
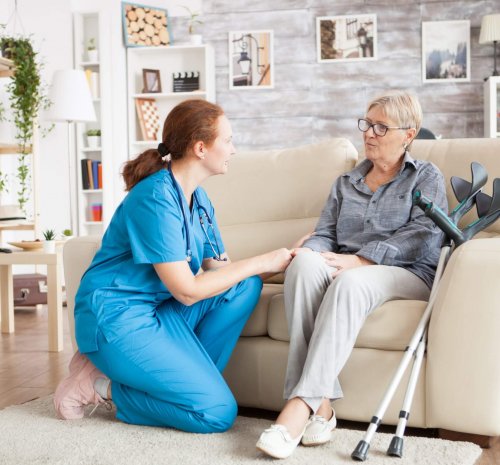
(54, 295)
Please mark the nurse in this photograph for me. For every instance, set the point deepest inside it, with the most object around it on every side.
(161, 307)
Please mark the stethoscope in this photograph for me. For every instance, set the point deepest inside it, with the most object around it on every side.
(201, 212)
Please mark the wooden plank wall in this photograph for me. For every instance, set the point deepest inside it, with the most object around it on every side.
(312, 101)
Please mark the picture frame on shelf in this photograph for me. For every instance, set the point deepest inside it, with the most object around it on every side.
(251, 60)
(346, 38)
(151, 80)
(145, 26)
(149, 118)
(446, 51)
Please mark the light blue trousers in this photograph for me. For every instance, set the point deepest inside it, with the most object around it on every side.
(168, 373)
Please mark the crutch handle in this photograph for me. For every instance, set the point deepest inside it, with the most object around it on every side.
(439, 217)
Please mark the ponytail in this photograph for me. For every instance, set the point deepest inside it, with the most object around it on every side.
(188, 122)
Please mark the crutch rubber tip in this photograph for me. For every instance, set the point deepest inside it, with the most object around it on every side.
(359, 454)
(396, 447)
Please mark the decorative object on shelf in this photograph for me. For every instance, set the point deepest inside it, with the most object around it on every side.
(346, 38)
(145, 25)
(446, 51)
(92, 52)
(490, 32)
(72, 103)
(151, 80)
(93, 138)
(93, 81)
(149, 118)
(26, 97)
(193, 22)
(66, 234)
(96, 212)
(11, 213)
(251, 60)
(186, 82)
(49, 244)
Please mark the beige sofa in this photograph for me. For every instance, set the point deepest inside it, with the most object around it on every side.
(269, 199)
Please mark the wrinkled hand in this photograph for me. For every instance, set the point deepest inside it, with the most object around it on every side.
(277, 260)
(344, 262)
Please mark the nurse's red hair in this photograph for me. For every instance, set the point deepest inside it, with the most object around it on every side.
(189, 122)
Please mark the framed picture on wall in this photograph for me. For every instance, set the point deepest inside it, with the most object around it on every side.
(149, 118)
(145, 25)
(346, 38)
(251, 63)
(446, 51)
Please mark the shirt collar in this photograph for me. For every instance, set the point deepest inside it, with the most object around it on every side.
(358, 173)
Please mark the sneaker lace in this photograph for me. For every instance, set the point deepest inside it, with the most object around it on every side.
(106, 403)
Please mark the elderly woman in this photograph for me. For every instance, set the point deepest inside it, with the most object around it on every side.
(370, 245)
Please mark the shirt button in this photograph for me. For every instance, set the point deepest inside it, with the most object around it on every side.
(367, 221)
(374, 201)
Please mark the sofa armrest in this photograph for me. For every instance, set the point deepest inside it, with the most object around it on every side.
(463, 360)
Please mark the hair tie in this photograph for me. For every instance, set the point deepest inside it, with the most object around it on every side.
(164, 152)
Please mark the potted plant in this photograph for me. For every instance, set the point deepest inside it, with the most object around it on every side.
(92, 52)
(66, 234)
(49, 244)
(93, 138)
(193, 22)
(26, 97)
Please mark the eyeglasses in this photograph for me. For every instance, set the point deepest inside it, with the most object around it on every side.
(378, 128)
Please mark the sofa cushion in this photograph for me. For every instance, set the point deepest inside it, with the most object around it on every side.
(389, 327)
(268, 199)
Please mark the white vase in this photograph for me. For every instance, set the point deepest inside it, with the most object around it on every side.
(49, 246)
(93, 55)
(94, 142)
(196, 39)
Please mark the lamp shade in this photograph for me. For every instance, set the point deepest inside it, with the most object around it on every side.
(490, 29)
(70, 97)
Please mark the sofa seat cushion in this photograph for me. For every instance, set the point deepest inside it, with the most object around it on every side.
(389, 327)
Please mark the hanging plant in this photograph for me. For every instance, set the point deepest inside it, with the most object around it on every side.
(26, 97)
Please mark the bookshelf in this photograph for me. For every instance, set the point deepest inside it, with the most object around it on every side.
(167, 60)
(492, 107)
(94, 160)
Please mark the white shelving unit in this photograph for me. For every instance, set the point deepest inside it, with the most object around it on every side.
(492, 107)
(95, 200)
(168, 60)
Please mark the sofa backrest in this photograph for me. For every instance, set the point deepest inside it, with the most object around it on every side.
(454, 156)
(270, 198)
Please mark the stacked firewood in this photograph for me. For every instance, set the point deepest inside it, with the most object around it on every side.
(146, 26)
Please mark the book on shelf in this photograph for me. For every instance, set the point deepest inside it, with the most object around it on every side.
(91, 174)
(93, 81)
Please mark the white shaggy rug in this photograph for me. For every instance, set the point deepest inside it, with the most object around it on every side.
(30, 434)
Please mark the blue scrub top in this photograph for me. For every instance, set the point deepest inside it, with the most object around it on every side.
(121, 284)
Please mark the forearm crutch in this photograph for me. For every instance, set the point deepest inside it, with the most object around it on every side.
(361, 450)
(488, 211)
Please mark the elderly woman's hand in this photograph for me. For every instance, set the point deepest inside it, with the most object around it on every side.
(344, 261)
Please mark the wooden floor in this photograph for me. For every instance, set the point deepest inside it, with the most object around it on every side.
(29, 371)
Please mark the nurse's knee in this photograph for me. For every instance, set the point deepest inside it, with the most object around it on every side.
(220, 417)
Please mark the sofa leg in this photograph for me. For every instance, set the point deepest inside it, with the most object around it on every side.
(484, 442)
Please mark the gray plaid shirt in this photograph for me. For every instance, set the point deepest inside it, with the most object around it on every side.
(384, 226)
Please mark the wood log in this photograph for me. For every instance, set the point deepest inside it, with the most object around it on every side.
(142, 35)
(156, 40)
(149, 30)
(131, 15)
(157, 24)
(164, 38)
(140, 13)
(134, 26)
(149, 18)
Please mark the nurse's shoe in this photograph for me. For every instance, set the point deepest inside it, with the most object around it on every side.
(277, 442)
(319, 430)
(77, 389)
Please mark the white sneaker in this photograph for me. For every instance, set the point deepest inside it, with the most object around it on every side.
(319, 431)
(277, 442)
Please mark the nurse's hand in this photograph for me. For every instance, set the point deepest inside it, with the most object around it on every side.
(277, 260)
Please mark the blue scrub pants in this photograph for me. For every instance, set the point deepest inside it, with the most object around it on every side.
(168, 372)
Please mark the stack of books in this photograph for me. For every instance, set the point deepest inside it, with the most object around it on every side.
(91, 174)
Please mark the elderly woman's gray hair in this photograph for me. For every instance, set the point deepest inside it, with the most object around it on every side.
(401, 107)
